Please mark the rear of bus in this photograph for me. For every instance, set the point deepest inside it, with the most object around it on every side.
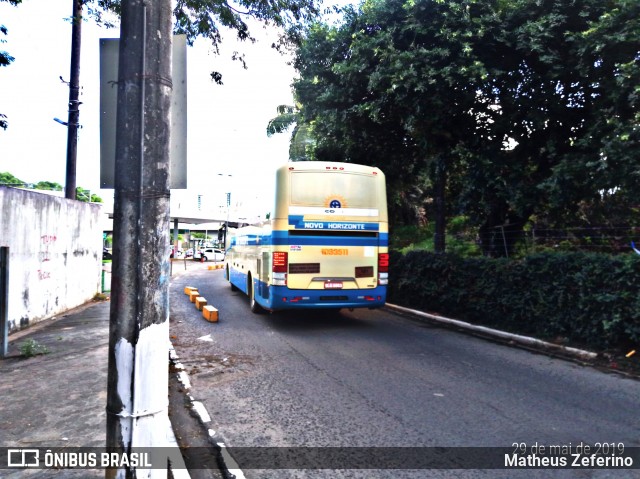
(329, 237)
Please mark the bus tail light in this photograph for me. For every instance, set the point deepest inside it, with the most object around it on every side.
(280, 264)
(383, 269)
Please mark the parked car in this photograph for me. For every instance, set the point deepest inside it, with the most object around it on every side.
(179, 254)
(209, 254)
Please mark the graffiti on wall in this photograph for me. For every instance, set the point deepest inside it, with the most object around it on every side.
(44, 256)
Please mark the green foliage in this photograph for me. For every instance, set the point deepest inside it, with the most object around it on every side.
(31, 348)
(287, 116)
(460, 238)
(302, 144)
(86, 196)
(5, 58)
(404, 236)
(48, 185)
(7, 178)
(500, 110)
(592, 300)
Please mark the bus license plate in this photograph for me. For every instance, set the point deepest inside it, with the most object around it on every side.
(333, 285)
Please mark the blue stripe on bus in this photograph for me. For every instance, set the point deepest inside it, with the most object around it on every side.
(314, 241)
(277, 298)
(281, 298)
(282, 238)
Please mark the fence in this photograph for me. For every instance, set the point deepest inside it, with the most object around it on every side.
(511, 241)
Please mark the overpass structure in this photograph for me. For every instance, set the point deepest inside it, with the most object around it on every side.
(192, 211)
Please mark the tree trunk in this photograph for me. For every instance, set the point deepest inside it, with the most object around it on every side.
(440, 186)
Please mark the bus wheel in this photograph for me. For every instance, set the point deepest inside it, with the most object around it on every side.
(255, 307)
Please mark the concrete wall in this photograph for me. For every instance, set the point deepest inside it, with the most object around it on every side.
(55, 254)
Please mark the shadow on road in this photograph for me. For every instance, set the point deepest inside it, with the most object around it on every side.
(315, 320)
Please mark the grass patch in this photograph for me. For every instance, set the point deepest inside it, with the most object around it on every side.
(32, 348)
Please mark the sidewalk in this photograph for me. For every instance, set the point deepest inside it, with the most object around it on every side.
(58, 399)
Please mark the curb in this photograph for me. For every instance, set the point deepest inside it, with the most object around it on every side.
(227, 464)
(495, 333)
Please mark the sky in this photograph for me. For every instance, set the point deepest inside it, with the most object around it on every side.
(228, 149)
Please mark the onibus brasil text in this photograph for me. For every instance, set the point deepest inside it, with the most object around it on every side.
(95, 459)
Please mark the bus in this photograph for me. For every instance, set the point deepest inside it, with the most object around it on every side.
(324, 246)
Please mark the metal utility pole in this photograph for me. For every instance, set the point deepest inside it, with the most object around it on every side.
(4, 301)
(139, 328)
(74, 103)
(226, 224)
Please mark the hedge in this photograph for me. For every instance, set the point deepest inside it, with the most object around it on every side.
(587, 299)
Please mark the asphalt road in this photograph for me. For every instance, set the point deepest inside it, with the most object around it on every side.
(373, 379)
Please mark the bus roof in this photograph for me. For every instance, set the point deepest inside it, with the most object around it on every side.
(330, 165)
(330, 190)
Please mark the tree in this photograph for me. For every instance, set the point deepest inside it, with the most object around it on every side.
(86, 196)
(335, 127)
(48, 185)
(5, 60)
(552, 93)
(512, 109)
(7, 179)
(302, 143)
(532, 98)
(609, 55)
(393, 85)
(287, 116)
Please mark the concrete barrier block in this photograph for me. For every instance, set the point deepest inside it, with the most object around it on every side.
(210, 313)
(188, 289)
(200, 303)
(193, 295)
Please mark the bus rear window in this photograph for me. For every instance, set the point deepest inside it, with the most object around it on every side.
(317, 188)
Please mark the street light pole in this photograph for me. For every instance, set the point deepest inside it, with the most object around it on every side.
(226, 225)
(74, 103)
